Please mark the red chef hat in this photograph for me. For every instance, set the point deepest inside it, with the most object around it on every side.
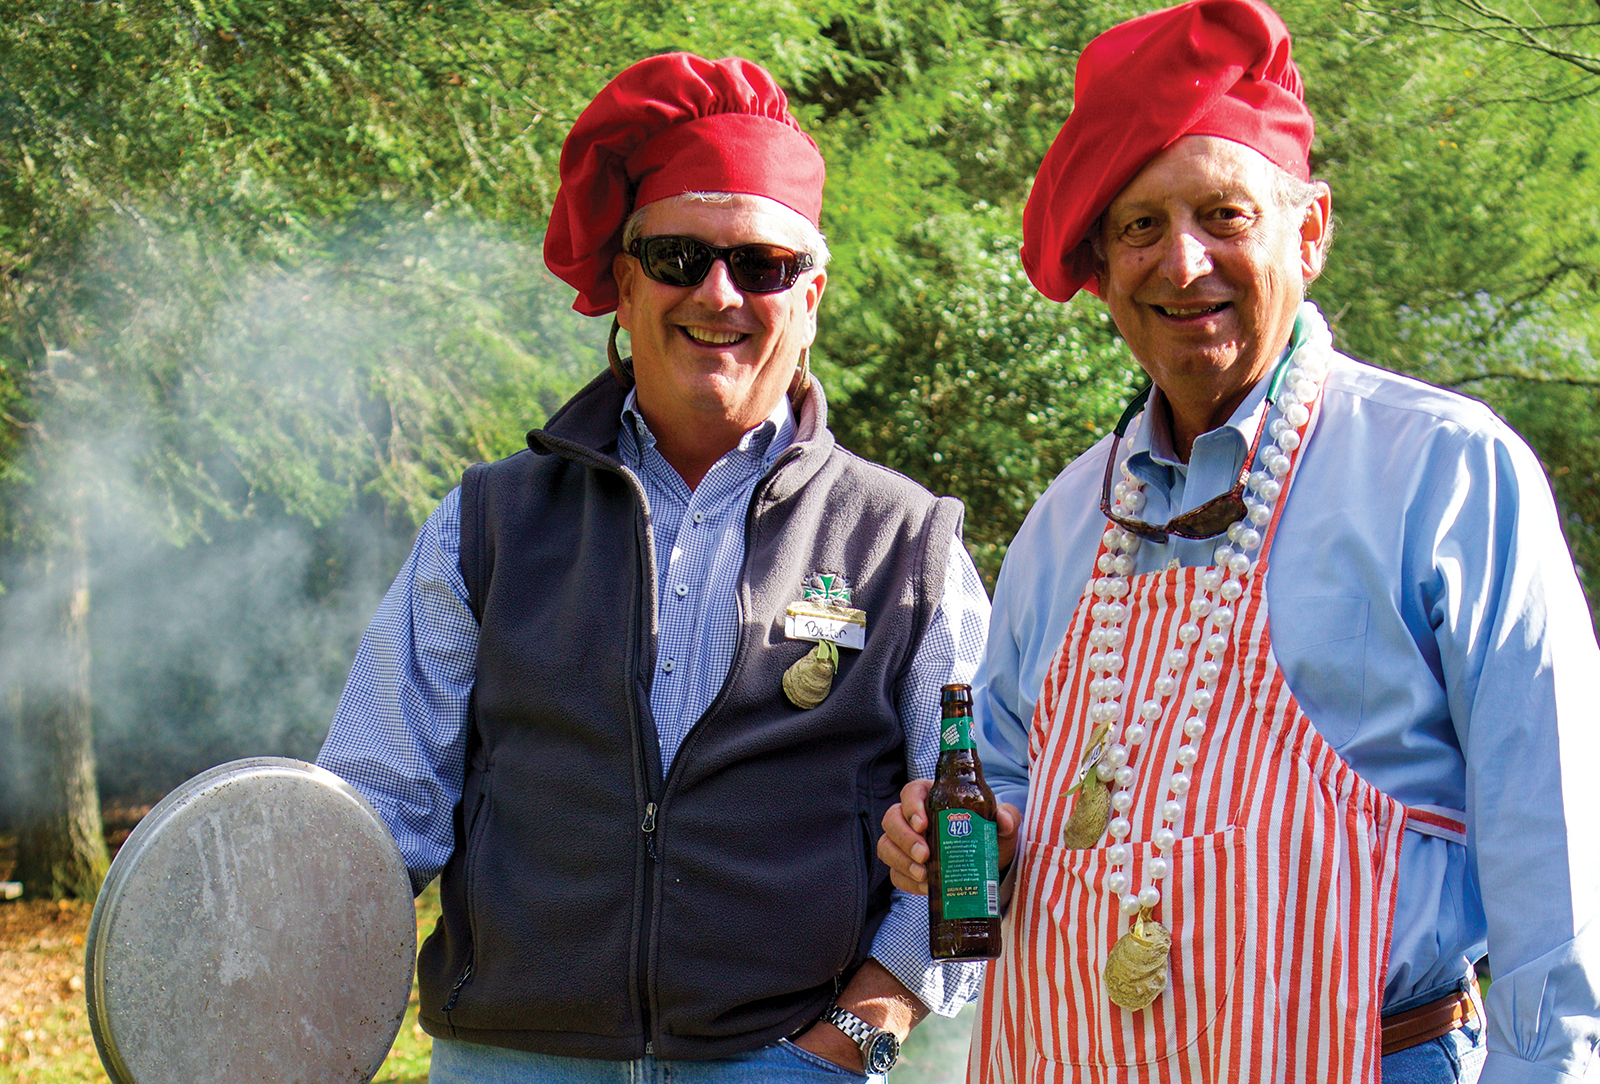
(668, 125)
(1210, 67)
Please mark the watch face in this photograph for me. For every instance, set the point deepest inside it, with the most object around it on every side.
(881, 1052)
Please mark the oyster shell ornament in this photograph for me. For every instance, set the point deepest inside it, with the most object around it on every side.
(1092, 811)
(809, 680)
(1090, 814)
(1136, 967)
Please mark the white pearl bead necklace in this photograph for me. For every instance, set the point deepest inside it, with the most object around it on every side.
(1208, 629)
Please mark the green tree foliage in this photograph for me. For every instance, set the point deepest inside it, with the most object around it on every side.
(273, 125)
(196, 160)
(176, 183)
(986, 389)
(1460, 150)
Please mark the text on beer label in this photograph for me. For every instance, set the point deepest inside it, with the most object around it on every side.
(969, 864)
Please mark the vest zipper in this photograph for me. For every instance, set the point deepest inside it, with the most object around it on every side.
(784, 458)
(648, 825)
(648, 618)
(647, 570)
(649, 830)
(475, 826)
(455, 991)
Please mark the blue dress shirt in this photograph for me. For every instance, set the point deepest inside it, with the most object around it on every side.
(399, 734)
(1426, 615)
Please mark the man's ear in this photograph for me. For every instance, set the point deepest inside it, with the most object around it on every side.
(1316, 230)
(1095, 242)
(625, 269)
(813, 298)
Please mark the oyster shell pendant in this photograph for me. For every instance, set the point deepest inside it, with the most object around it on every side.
(808, 681)
(1090, 814)
(1136, 968)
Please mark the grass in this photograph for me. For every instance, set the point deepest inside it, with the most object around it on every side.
(44, 1024)
(407, 1062)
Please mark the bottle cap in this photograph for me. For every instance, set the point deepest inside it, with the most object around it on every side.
(956, 694)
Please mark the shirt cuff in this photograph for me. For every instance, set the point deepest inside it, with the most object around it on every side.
(901, 946)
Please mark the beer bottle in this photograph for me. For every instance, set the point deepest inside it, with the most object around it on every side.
(963, 842)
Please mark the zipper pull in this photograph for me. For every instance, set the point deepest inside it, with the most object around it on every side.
(455, 991)
(649, 828)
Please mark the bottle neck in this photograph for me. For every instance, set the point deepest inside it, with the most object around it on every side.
(959, 761)
(955, 734)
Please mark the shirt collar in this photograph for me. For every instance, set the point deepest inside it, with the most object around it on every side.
(1219, 452)
(762, 444)
(1153, 445)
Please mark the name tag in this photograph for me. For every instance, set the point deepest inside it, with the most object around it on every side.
(838, 625)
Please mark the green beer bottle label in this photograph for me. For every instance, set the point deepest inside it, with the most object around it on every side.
(956, 734)
(969, 864)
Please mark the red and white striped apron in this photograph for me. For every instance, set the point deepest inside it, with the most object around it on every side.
(1279, 899)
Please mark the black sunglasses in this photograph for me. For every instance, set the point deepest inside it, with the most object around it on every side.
(684, 261)
(1206, 521)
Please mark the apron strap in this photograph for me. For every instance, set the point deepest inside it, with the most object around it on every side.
(1271, 532)
(1434, 820)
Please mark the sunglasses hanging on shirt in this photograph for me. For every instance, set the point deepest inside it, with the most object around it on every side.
(1209, 519)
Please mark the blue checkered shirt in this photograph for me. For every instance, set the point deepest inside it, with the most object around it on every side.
(399, 735)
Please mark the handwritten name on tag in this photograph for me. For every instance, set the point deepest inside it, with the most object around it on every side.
(835, 624)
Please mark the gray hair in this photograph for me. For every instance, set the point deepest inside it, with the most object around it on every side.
(1292, 194)
(811, 239)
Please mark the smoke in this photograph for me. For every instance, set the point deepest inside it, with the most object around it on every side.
(249, 444)
(229, 649)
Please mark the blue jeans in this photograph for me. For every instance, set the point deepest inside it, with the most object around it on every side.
(1453, 1058)
(780, 1063)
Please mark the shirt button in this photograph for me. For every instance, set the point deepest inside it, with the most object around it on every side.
(699, 517)
(681, 589)
(667, 664)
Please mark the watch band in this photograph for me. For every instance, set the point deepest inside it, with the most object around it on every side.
(851, 1024)
(880, 1048)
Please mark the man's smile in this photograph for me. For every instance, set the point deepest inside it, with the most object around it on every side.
(1183, 312)
(710, 336)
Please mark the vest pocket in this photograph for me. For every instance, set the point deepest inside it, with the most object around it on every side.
(1069, 920)
(474, 846)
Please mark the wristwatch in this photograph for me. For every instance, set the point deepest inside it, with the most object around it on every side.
(879, 1048)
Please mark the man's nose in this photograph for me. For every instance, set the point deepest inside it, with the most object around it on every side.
(1186, 258)
(717, 288)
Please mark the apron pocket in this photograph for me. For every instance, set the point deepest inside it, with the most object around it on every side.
(1071, 920)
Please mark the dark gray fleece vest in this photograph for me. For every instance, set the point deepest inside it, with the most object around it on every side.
(575, 921)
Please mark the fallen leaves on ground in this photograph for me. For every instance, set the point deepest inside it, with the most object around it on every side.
(44, 1027)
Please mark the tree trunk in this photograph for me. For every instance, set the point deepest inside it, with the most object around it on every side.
(61, 847)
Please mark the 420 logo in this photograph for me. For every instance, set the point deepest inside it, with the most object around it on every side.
(958, 824)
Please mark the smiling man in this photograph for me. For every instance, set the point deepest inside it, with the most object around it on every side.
(1270, 848)
(642, 691)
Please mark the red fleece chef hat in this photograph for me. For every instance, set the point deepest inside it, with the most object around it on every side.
(668, 125)
(1210, 67)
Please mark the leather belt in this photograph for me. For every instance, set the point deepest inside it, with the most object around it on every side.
(1415, 1026)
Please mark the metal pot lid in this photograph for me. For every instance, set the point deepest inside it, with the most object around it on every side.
(256, 926)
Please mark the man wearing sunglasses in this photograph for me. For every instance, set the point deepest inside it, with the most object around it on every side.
(643, 692)
(1270, 846)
